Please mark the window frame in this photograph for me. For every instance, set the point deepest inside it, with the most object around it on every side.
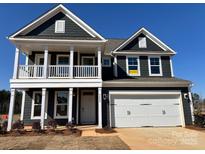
(160, 66)
(83, 57)
(55, 105)
(33, 106)
(108, 58)
(57, 58)
(140, 39)
(56, 27)
(138, 65)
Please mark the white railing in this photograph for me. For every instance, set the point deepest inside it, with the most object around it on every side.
(85, 71)
(58, 71)
(30, 71)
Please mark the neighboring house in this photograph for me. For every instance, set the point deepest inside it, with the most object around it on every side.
(73, 74)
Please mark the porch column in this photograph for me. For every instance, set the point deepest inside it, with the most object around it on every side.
(23, 94)
(71, 61)
(43, 106)
(45, 67)
(16, 63)
(11, 109)
(115, 66)
(22, 104)
(99, 63)
(70, 105)
(99, 107)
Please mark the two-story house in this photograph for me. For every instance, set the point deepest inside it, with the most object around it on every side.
(73, 74)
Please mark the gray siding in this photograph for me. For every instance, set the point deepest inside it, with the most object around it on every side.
(105, 102)
(47, 30)
(144, 68)
(107, 72)
(51, 96)
(134, 45)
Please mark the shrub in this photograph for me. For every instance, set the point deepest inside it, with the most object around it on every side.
(70, 126)
(18, 125)
(199, 121)
(36, 127)
(52, 124)
(3, 128)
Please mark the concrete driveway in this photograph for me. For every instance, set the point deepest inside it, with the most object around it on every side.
(162, 138)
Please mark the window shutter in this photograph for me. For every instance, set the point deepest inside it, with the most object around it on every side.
(142, 42)
(60, 26)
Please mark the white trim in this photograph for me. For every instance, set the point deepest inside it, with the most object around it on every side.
(32, 106)
(55, 83)
(99, 107)
(26, 40)
(108, 58)
(11, 109)
(115, 66)
(150, 92)
(69, 14)
(16, 63)
(77, 106)
(138, 65)
(171, 67)
(150, 36)
(70, 105)
(182, 111)
(22, 105)
(160, 66)
(82, 59)
(55, 105)
(56, 26)
(141, 53)
(61, 55)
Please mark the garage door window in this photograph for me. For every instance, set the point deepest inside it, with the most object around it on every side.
(133, 66)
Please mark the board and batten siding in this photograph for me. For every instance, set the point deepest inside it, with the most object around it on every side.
(144, 67)
(50, 112)
(47, 29)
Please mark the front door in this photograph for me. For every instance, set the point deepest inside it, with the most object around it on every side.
(87, 107)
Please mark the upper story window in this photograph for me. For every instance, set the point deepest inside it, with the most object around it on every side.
(62, 59)
(155, 68)
(106, 62)
(133, 67)
(142, 42)
(60, 26)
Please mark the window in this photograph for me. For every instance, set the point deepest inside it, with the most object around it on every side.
(88, 60)
(155, 66)
(106, 62)
(36, 105)
(60, 26)
(133, 68)
(61, 104)
(142, 42)
(62, 59)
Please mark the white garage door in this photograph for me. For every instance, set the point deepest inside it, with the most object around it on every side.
(145, 110)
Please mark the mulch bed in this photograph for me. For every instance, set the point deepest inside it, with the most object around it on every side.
(65, 132)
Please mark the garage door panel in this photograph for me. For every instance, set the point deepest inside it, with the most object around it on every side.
(145, 110)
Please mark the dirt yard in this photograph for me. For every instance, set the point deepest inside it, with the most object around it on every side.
(59, 142)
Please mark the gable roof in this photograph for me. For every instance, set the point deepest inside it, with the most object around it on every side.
(150, 36)
(53, 12)
(111, 44)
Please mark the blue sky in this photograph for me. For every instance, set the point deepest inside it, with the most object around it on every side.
(180, 26)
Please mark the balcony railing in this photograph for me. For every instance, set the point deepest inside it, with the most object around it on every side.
(30, 71)
(58, 71)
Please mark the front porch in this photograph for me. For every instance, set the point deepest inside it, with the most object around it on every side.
(81, 106)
